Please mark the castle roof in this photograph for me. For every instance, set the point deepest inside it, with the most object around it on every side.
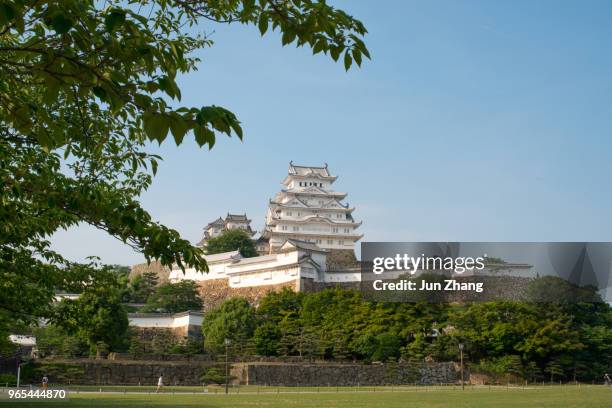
(236, 217)
(294, 169)
(223, 256)
(297, 243)
(317, 218)
(216, 223)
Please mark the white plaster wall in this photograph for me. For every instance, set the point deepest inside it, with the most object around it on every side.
(159, 321)
(264, 278)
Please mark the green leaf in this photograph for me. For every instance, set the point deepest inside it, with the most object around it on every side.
(318, 47)
(114, 19)
(335, 52)
(288, 37)
(156, 126)
(357, 57)
(347, 60)
(61, 23)
(7, 13)
(99, 92)
(263, 24)
(178, 127)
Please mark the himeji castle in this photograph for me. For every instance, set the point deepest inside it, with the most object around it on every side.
(308, 209)
(307, 243)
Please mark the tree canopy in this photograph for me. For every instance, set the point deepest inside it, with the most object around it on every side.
(534, 341)
(84, 87)
(232, 240)
(97, 316)
(174, 297)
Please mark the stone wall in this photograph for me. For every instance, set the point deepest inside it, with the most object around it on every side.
(339, 259)
(163, 272)
(119, 372)
(108, 372)
(346, 374)
(214, 292)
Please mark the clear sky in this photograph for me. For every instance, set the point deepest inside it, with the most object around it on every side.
(475, 120)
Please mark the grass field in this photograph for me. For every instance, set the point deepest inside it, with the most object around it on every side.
(431, 397)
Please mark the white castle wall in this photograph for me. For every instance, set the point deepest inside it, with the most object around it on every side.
(295, 261)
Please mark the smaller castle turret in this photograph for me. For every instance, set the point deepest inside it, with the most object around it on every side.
(231, 221)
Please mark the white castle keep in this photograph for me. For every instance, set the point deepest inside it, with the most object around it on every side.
(307, 209)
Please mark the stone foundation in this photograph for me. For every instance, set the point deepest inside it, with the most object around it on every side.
(163, 272)
(108, 372)
(119, 372)
(345, 374)
(214, 292)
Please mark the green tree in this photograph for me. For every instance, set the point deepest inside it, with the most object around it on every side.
(214, 375)
(84, 87)
(163, 341)
(143, 286)
(97, 316)
(234, 319)
(232, 240)
(175, 297)
(53, 341)
(267, 339)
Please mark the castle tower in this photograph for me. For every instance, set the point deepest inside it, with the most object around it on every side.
(307, 209)
(232, 221)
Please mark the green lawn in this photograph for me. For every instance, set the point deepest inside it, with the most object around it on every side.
(542, 397)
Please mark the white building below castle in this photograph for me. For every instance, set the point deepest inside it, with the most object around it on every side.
(294, 261)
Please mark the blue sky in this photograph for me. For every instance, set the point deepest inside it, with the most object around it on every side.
(474, 121)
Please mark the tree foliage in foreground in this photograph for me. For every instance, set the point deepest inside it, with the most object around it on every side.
(534, 341)
(84, 86)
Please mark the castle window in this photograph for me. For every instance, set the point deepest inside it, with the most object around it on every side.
(318, 241)
(334, 229)
(341, 242)
(330, 241)
(289, 213)
(346, 230)
(296, 228)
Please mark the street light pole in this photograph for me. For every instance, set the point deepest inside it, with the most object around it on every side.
(227, 343)
(461, 354)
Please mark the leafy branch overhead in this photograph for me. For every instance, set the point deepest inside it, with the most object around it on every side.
(125, 57)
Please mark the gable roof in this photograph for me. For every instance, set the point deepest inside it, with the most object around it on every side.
(223, 256)
(216, 223)
(237, 217)
(297, 243)
(295, 169)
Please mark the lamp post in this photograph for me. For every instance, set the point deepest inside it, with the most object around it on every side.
(461, 346)
(227, 343)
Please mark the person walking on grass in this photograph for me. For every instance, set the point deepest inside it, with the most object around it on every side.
(607, 379)
(45, 382)
(160, 383)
